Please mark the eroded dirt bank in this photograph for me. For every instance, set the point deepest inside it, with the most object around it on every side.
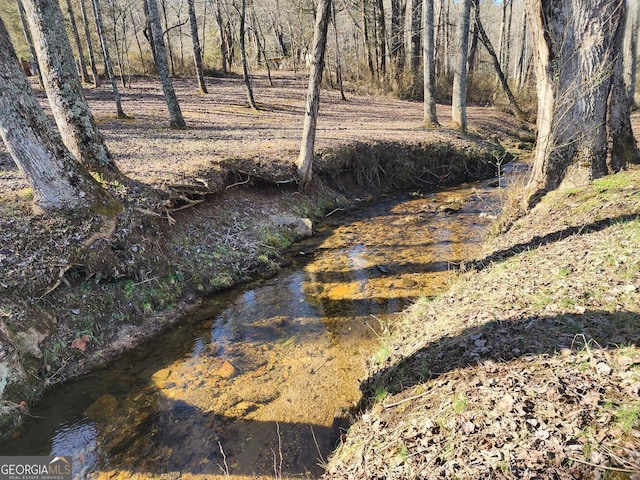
(203, 211)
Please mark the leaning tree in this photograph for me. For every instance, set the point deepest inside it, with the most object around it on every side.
(64, 90)
(584, 126)
(58, 180)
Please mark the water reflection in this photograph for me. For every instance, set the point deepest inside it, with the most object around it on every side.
(263, 386)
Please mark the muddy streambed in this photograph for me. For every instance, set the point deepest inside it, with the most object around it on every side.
(260, 382)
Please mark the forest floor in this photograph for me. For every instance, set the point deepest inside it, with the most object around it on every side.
(528, 367)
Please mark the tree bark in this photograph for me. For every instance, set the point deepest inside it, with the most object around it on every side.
(367, 42)
(58, 181)
(584, 128)
(87, 34)
(305, 160)
(338, 60)
(76, 37)
(64, 91)
(175, 114)
(631, 54)
(197, 54)
(29, 39)
(243, 55)
(97, 12)
(429, 65)
(223, 42)
(459, 93)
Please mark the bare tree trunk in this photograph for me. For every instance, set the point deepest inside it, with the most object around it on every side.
(143, 64)
(521, 65)
(338, 62)
(58, 181)
(367, 42)
(29, 39)
(305, 160)
(261, 41)
(631, 54)
(515, 108)
(117, 43)
(459, 93)
(76, 37)
(87, 35)
(175, 114)
(397, 44)
(583, 117)
(382, 39)
(243, 55)
(429, 66)
(223, 41)
(168, 48)
(64, 91)
(197, 55)
(107, 58)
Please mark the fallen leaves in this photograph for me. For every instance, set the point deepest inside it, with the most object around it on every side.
(80, 342)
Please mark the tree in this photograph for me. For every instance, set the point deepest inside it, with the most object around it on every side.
(29, 40)
(429, 65)
(197, 54)
(175, 114)
(513, 104)
(66, 97)
(87, 34)
(305, 159)
(76, 37)
(243, 55)
(584, 128)
(459, 94)
(58, 181)
(97, 12)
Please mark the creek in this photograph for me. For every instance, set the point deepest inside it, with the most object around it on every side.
(260, 382)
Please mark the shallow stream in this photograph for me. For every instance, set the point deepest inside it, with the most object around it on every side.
(260, 382)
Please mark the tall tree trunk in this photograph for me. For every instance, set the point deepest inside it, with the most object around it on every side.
(414, 56)
(58, 181)
(175, 114)
(223, 40)
(515, 108)
(631, 54)
(87, 35)
(338, 61)
(64, 91)
(584, 128)
(305, 160)
(168, 47)
(521, 65)
(243, 55)
(197, 55)
(29, 39)
(382, 38)
(97, 11)
(429, 65)
(459, 93)
(116, 42)
(367, 42)
(397, 33)
(76, 37)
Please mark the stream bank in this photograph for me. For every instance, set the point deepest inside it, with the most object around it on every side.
(67, 309)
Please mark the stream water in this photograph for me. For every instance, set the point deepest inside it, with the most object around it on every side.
(260, 382)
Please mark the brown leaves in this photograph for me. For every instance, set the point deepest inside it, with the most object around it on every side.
(81, 343)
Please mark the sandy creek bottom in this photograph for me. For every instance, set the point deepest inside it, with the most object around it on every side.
(260, 382)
